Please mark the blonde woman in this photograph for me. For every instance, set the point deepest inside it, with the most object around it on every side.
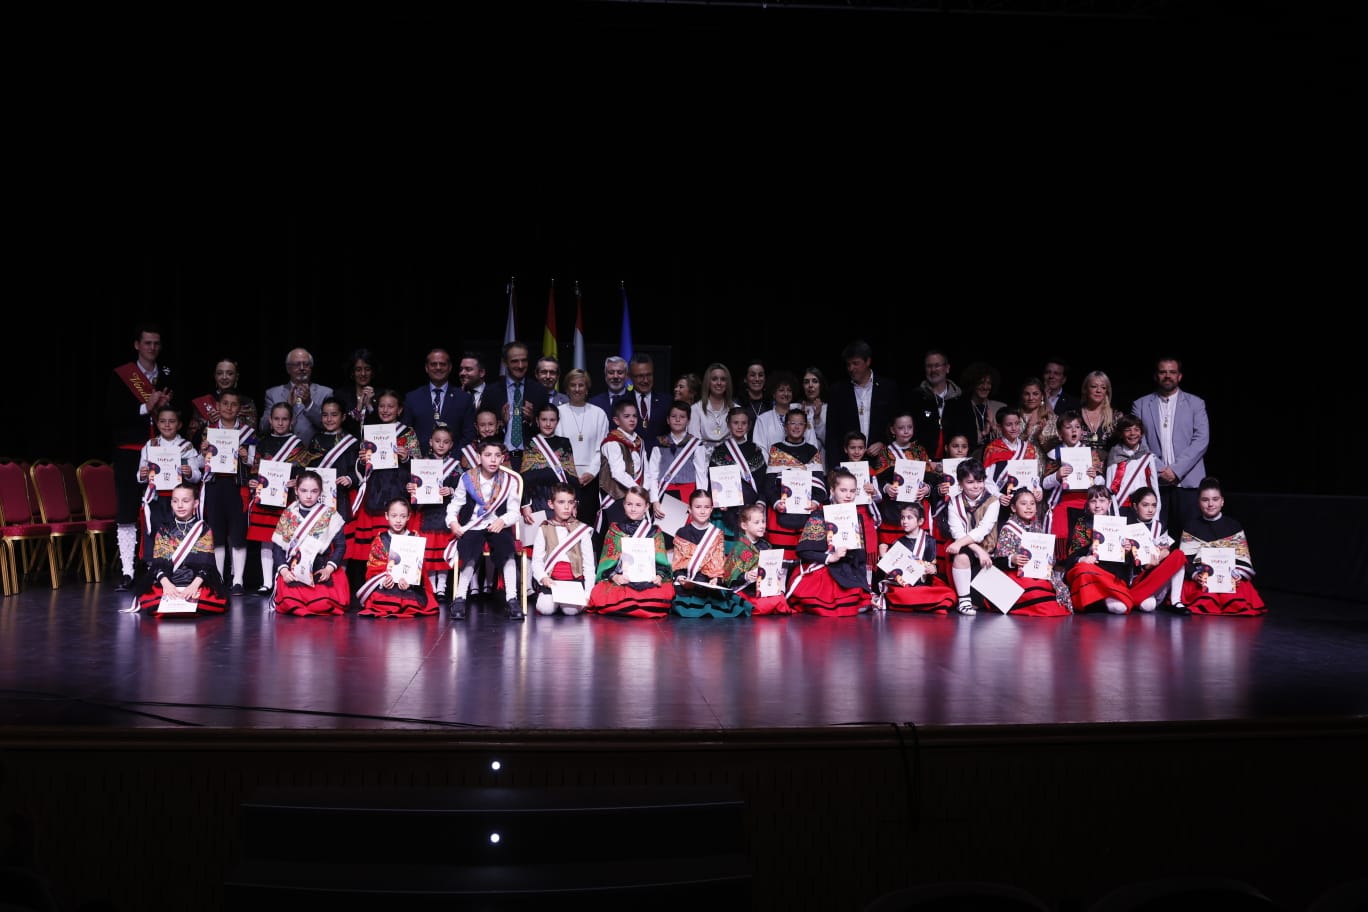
(708, 416)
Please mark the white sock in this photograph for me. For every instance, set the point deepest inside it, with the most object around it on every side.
(1149, 604)
(239, 563)
(1176, 589)
(463, 584)
(571, 610)
(1115, 606)
(962, 577)
(220, 553)
(127, 534)
(438, 580)
(267, 564)
(546, 605)
(510, 574)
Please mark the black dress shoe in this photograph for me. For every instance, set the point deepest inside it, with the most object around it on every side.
(457, 609)
(264, 591)
(236, 590)
(125, 584)
(1180, 609)
(515, 612)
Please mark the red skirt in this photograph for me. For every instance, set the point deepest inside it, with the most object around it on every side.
(361, 531)
(817, 593)
(434, 556)
(768, 604)
(1156, 579)
(934, 597)
(1038, 598)
(209, 603)
(608, 598)
(1090, 586)
(780, 537)
(1243, 602)
(331, 597)
(261, 522)
(401, 603)
(1060, 525)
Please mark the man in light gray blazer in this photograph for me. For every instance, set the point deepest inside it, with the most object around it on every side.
(1176, 431)
(303, 396)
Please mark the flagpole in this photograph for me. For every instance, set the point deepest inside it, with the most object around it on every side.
(511, 328)
(579, 329)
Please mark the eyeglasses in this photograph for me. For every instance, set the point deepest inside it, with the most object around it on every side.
(299, 364)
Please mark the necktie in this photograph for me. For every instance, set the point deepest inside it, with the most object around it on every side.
(515, 430)
(645, 409)
(436, 401)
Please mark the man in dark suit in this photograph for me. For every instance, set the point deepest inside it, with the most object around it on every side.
(439, 398)
(615, 378)
(927, 402)
(516, 399)
(863, 402)
(653, 406)
(1055, 375)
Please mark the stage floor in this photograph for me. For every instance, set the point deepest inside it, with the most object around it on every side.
(68, 657)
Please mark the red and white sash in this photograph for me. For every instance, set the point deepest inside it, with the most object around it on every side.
(1133, 473)
(700, 554)
(735, 450)
(187, 544)
(563, 548)
(682, 458)
(552, 459)
(334, 454)
(287, 449)
(306, 528)
(364, 591)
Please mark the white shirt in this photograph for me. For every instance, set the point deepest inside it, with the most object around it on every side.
(864, 395)
(584, 426)
(1168, 408)
(617, 464)
(707, 424)
(509, 511)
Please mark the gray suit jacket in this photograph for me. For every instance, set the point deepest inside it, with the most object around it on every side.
(1191, 435)
(307, 420)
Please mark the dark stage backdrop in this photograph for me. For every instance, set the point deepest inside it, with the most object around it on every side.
(1001, 187)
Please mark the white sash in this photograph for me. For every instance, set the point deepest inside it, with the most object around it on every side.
(505, 481)
(450, 466)
(1132, 479)
(375, 582)
(644, 529)
(472, 456)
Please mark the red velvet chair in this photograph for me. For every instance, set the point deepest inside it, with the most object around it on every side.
(68, 536)
(24, 541)
(96, 479)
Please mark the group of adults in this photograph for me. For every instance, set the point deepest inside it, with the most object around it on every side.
(1175, 422)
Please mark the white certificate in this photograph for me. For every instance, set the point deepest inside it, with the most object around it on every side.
(406, 558)
(1108, 533)
(1020, 473)
(177, 606)
(638, 562)
(861, 472)
(911, 472)
(527, 531)
(1222, 564)
(725, 484)
(329, 477)
(308, 553)
(1139, 533)
(427, 475)
(1080, 460)
(997, 587)
(902, 564)
(223, 450)
(950, 468)
(1039, 548)
(383, 439)
(164, 461)
(797, 485)
(769, 578)
(676, 514)
(272, 477)
(847, 522)
(568, 592)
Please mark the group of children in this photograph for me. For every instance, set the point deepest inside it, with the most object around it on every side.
(910, 547)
